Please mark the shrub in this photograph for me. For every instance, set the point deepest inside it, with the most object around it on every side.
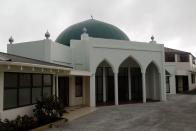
(48, 109)
(21, 123)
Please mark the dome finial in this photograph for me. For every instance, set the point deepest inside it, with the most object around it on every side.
(11, 40)
(92, 17)
(152, 38)
(84, 30)
(47, 35)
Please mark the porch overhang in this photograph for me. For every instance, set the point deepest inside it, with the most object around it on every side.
(22, 64)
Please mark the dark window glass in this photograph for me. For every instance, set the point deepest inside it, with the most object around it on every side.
(123, 71)
(183, 58)
(46, 91)
(37, 87)
(11, 80)
(10, 98)
(166, 72)
(167, 84)
(169, 57)
(193, 60)
(36, 94)
(79, 86)
(47, 80)
(25, 80)
(193, 78)
(99, 71)
(24, 96)
(22, 89)
(37, 80)
(109, 71)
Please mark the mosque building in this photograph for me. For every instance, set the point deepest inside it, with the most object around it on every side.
(91, 63)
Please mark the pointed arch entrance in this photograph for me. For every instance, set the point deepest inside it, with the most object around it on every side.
(153, 91)
(129, 81)
(104, 84)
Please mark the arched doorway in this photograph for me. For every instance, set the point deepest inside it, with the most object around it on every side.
(129, 81)
(152, 82)
(104, 84)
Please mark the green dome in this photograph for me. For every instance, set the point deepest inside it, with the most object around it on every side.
(94, 28)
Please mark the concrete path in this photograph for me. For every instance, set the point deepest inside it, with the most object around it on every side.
(177, 114)
(77, 112)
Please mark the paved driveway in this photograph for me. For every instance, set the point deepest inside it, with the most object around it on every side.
(177, 114)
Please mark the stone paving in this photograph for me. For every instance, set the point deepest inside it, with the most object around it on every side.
(177, 114)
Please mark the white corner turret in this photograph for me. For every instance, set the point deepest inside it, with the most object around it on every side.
(11, 39)
(47, 35)
(152, 40)
(84, 35)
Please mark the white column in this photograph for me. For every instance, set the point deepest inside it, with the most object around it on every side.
(176, 57)
(104, 85)
(144, 87)
(1, 91)
(172, 82)
(163, 86)
(84, 90)
(54, 85)
(155, 86)
(57, 86)
(92, 90)
(116, 88)
(129, 81)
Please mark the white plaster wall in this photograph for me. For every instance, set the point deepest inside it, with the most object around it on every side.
(193, 69)
(183, 66)
(87, 91)
(172, 80)
(149, 85)
(26, 110)
(73, 100)
(171, 68)
(115, 52)
(13, 113)
(191, 85)
(36, 49)
(88, 53)
(180, 68)
(61, 54)
(111, 49)
(1, 90)
(152, 83)
(45, 50)
(80, 54)
(85, 99)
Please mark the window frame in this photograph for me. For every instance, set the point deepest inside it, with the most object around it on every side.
(183, 57)
(193, 78)
(24, 87)
(18, 87)
(34, 87)
(169, 57)
(78, 85)
(167, 80)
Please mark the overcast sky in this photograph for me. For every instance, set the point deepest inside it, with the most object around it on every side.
(172, 22)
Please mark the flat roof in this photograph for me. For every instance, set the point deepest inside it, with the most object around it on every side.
(5, 57)
(174, 50)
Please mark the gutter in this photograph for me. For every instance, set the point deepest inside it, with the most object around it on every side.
(34, 65)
